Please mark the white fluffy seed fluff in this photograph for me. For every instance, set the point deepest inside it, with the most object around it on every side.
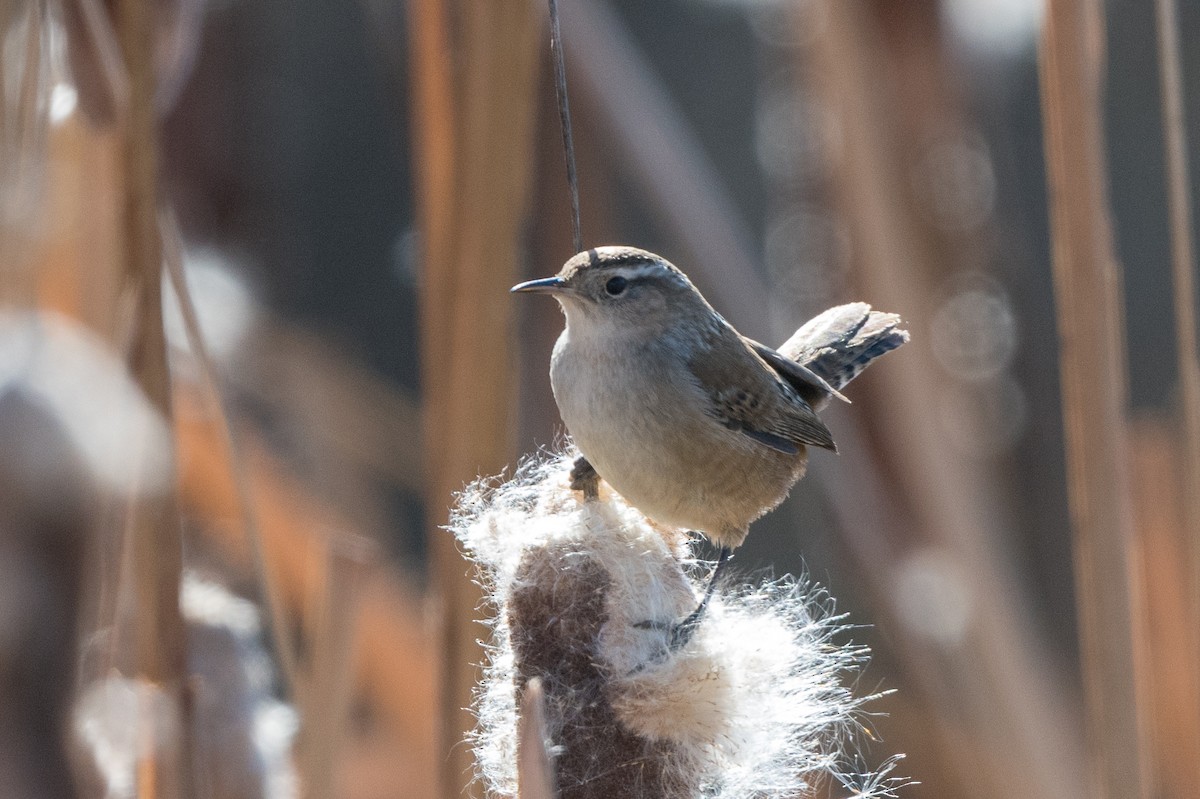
(754, 705)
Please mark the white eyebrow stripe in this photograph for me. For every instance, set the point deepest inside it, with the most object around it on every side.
(636, 271)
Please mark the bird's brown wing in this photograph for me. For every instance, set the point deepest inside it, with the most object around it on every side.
(748, 395)
(808, 384)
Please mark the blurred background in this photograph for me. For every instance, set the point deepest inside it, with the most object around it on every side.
(328, 202)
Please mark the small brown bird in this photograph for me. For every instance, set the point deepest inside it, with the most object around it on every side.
(694, 424)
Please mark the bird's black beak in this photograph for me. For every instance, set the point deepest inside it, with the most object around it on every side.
(549, 285)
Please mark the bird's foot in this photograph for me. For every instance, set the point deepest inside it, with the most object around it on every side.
(584, 478)
(681, 633)
(678, 633)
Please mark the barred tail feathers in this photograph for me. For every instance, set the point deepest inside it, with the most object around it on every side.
(839, 343)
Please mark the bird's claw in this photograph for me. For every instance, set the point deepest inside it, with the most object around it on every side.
(682, 632)
(679, 633)
(584, 478)
(653, 624)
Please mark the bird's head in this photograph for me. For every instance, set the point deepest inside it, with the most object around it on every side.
(622, 287)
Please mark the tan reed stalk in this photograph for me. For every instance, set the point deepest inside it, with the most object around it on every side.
(154, 533)
(1183, 271)
(1159, 501)
(474, 156)
(1088, 295)
(329, 677)
(535, 770)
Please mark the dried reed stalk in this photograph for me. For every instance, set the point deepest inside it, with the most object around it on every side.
(1088, 294)
(1183, 270)
(329, 676)
(153, 532)
(157, 559)
(23, 139)
(1160, 499)
(474, 158)
(535, 770)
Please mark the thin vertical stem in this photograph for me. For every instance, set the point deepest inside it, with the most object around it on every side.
(157, 559)
(436, 144)
(1088, 294)
(475, 154)
(564, 121)
(535, 769)
(155, 532)
(1183, 271)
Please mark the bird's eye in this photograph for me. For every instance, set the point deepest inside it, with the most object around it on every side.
(615, 285)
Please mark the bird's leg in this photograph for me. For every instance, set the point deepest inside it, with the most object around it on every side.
(585, 479)
(682, 632)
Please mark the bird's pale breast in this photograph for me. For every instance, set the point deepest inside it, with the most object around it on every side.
(642, 420)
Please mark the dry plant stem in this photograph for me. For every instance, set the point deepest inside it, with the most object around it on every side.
(154, 533)
(95, 60)
(157, 557)
(473, 198)
(281, 622)
(434, 95)
(329, 682)
(22, 139)
(83, 274)
(564, 121)
(434, 111)
(31, 85)
(1094, 395)
(1159, 501)
(1183, 270)
(535, 770)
